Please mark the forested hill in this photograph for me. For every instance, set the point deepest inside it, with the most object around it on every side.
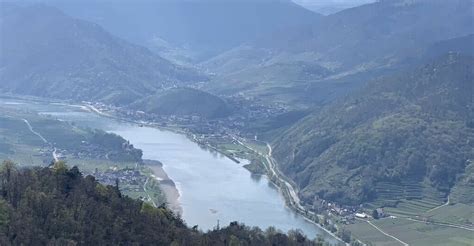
(184, 101)
(49, 54)
(58, 206)
(415, 128)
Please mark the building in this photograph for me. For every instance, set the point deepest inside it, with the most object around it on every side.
(361, 215)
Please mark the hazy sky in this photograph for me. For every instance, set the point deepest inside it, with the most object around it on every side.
(330, 6)
(334, 2)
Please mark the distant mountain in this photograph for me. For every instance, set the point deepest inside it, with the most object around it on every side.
(328, 7)
(376, 34)
(464, 45)
(184, 101)
(188, 30)
(47, 53)
(370, 39)
(414, 131)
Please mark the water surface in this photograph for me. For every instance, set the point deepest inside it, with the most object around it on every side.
(213, 188)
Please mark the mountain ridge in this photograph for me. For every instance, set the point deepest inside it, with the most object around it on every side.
(341, 153)
(370, 39)
(75, 59)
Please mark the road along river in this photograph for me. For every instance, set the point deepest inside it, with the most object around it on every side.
(213, 189)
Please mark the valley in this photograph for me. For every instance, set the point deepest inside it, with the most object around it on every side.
(422, 216)
(249, 122)
(204, 213)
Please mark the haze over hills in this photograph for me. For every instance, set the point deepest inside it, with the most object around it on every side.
(330, 6)
(415, 128)
(188, 31)
(47, 53)
(373, 38)
(365, 108)
(276, 50)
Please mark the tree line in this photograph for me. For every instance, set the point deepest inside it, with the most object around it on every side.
(57, 205)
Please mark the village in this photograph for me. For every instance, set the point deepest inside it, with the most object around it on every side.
(209, 132)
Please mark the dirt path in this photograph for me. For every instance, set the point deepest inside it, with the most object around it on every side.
(146, 192)
(34, 132)
(443, 224)
(386, 234)
(55, 155)
(440, 206)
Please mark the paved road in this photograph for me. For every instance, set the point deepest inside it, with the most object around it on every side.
(55, 155)
(272, 168)
(275, 171)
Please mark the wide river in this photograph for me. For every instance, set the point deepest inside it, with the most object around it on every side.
(212, 187)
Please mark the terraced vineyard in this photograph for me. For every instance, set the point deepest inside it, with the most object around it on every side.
(407, 198)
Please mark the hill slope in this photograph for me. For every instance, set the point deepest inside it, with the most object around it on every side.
(348, 46)
(416, 127)
(184, 101)
(47, 53)
(195, 29)
(58, 206)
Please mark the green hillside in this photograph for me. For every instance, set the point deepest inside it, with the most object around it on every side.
(320, 60)
(59, 206)
(184, 101)
(413, 131)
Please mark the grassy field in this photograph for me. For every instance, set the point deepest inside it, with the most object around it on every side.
(90, 165)
(459, 213)
(421, 233)
(368, 234)
(411, 232)
(19, 144)
(259, 146)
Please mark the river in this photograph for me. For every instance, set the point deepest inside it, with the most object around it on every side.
(213, 189)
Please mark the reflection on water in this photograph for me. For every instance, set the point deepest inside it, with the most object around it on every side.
(256, 177)
(213, 188)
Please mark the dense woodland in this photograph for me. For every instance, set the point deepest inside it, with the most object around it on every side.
(56, 205)
(184, 101)
(414, 127)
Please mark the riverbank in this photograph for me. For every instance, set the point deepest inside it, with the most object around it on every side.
(167, 185)
(285, 188)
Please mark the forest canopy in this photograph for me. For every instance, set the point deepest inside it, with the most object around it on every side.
(57, 205)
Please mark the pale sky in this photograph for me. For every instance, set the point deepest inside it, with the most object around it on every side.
(334, 2)
(330, 6)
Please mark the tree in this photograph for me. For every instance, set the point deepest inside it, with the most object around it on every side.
(356, 243)
(58, 206)
(375, 214)
(345, 235)
(60, 166)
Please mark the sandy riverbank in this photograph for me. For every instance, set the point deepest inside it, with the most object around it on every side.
(167, 185)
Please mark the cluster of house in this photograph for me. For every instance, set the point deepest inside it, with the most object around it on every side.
(128, 178)
(347, 214)
(250, 110)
